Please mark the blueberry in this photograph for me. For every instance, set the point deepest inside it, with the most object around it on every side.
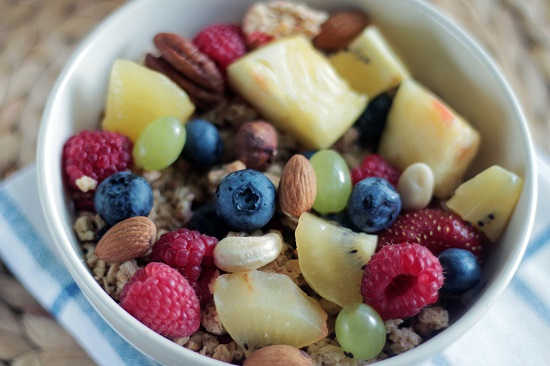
(101, 232)
(203, 146)
(461, 270)
(341, 218)
(372, 121)
(206, 221)
(246, 200)
(374, 204)
(309, 153)
(121, 196)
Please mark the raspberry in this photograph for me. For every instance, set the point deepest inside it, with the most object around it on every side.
(162, 299)
(435, 229)
(401, 279)
(223, 43)
(257, 39)
(91, 156)
(184, 250)
(375, 166)
(209, 273)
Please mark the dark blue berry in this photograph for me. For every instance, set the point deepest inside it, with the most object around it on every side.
(372, 121)
(341, 218)
(461, 270)
(374, 204)
(203, 145)
(308, 154)
(206, 221)
(102, 232)
(246, 200)
(121, 196)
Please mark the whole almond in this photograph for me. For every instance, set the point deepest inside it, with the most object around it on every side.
(297, 187)
(340, 29)
(127, 240)
(278, 355)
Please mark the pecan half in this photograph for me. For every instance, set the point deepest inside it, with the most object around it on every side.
(186, 58)
(202, 98)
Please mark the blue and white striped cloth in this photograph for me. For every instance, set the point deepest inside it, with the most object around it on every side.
(515, 331)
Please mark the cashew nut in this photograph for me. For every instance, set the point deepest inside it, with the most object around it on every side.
(234, 254)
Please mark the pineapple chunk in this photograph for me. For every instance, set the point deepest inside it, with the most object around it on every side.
(258, 309)
(296, 88)
(137, 96)
(422, 128)
(488, 200)
(369, 64)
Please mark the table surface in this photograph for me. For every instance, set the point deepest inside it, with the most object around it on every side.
(35, 41)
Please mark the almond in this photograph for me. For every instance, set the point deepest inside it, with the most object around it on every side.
(127, 240)
(340, 29)
(297, 187)
(278, 355)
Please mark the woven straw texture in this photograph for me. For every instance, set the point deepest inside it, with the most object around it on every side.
(37, 36)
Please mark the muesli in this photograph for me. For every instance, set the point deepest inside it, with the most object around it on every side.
(284, 184)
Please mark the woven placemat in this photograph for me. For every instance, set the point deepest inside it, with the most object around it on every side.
(37, 36)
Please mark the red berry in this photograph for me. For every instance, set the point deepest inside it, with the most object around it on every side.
(401, 279)
(202, 287)
(162, 299)
(435, 229)
(223, 43)
(257, 39)
(375, 166)
(91, 156)
(184, 250)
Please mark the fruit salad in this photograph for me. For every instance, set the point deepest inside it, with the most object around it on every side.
(284, 188)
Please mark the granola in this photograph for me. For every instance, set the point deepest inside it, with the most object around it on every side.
(180, 190)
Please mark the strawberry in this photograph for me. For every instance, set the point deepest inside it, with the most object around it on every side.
(437, 230)
(375, 166)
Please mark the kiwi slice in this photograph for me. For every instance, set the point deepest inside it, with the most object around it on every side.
(332, 258)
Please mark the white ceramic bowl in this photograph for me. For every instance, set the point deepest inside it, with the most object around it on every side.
(439, 54)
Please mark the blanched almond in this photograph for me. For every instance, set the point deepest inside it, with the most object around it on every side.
(127, 240)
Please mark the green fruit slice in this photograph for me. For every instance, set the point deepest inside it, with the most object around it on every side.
(332, 258)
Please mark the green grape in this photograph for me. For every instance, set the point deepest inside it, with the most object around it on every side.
(360, 331)
(159, 144)
(333, 181)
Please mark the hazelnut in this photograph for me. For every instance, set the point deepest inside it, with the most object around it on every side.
(278, 355)
(256, 144)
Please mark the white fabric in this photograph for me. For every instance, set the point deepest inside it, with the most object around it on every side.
(513, 332)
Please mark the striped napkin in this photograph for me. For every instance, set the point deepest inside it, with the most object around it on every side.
(513, 332)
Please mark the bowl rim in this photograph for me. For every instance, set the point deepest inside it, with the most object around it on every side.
(102, 302)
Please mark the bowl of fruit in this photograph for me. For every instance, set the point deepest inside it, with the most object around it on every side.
(316, 183)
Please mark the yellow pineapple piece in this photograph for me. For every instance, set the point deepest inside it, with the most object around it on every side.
(488, 200)
(258, 309)
(421, 128)
(138, 95)
(369, 64)
(296, 88)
